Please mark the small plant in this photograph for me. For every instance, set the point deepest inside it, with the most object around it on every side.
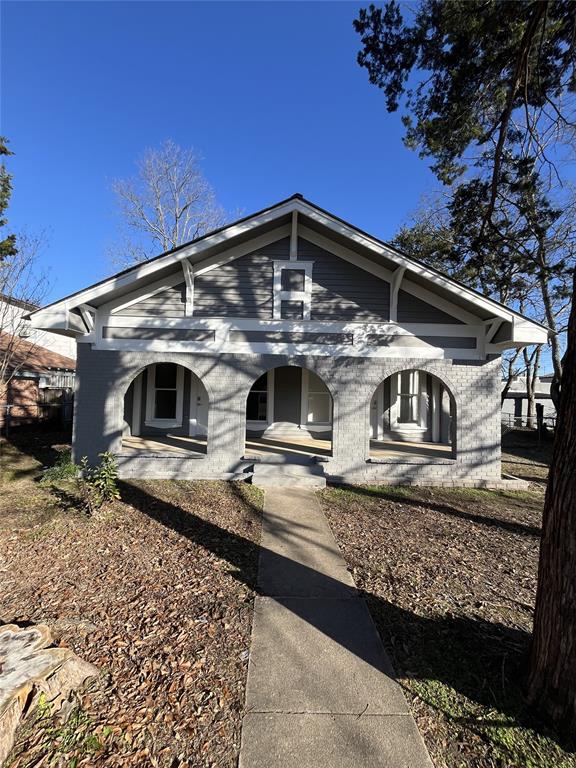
(104, 478)
(63, 469)
(98, 485)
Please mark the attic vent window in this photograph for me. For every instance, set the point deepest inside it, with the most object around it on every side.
(292, 290)
(292, 310)
(293, 279)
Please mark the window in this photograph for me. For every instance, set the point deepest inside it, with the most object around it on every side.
(408, 397)
(292, 279)
(257, 403)
(292, 310)
(165, 387)
(319, 401)
(292, 290)
(164, 395)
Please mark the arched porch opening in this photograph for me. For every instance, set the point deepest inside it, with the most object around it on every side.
(165, 410)
(289, 415)
(412, 413)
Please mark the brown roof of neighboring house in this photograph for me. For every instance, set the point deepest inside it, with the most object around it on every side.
(32, 357)
(22, 303)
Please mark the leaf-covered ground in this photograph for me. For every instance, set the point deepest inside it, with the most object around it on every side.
(156, 590)
(450, 578)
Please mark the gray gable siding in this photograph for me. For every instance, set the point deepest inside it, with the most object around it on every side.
(242, 288)
(342, 291)
(414, 310)
(168, 303)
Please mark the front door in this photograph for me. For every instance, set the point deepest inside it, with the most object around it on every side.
(287, 394)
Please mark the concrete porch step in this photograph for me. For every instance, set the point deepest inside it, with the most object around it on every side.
(281, 458)
(293, 475)
(287, 429)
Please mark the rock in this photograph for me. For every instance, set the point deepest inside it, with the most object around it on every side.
(29, 667)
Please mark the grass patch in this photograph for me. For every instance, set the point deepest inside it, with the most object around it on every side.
(67, 743)
(63, 469)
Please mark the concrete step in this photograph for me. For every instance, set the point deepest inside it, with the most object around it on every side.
(286, 429)
(280, 458)
(293, 475)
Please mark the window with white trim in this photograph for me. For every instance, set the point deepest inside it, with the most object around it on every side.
(292, 290)
(408, 398)
(164, 395)
(257, 402)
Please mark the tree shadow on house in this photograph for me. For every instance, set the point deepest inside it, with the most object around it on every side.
(480, 660)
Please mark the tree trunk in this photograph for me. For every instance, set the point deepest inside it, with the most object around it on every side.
(556, 353)
(532, 368)
(509, 375)
(552, 678)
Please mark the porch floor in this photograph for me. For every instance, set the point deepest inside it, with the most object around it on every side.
(163, 444)
(388, 449)
(303, 448)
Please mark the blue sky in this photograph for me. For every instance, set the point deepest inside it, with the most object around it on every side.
(270, 94)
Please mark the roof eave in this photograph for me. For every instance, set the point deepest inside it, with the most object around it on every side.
(58, 313)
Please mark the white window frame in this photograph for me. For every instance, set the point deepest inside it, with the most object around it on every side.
(395, 424)
(258, 424)
(304, 296)
(151, 420)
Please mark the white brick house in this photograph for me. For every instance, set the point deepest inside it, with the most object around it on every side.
(290, 336)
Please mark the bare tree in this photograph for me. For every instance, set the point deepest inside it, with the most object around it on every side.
(167, 203)
(23, 286)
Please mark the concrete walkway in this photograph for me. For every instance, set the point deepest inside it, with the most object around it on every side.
(320, 690)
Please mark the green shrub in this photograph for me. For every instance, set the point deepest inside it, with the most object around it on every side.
(63, 469)
(98, 485)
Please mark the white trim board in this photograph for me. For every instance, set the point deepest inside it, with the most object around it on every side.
(236, 252)
(280, 295)
(276, 348)
(188, 271)
(532, 330)
(293, 326)
(143, 293)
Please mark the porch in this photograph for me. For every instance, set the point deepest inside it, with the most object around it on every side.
(289, 415)
(281, 448)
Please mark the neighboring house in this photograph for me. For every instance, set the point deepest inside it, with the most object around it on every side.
(40, 385)
(515, 404)
(13, 321)
(290, 336)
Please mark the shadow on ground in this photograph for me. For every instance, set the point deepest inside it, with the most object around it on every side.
(387, 493)
(483, 661)
(527, 457)
(42, 444)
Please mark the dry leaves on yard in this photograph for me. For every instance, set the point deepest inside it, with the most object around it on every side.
(158, 593)
(450, 579)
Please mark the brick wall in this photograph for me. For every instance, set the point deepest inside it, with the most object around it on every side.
(22, 395)
(104, 376)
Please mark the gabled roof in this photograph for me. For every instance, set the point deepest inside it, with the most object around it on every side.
(249, 228)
